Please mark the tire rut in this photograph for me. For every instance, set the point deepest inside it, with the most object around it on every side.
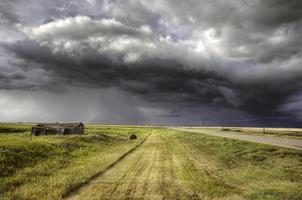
(152, 171)
(72, 194)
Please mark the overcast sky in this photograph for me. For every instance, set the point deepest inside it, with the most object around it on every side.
(235, 62)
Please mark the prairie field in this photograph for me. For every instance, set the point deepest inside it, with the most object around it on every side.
(163, 163)
(295, 133)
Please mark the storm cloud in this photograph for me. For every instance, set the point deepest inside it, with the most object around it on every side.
(158, 59)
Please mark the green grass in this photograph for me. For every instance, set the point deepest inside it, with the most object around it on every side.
(18, 128)
(294, 133)
(48, 167)
(250, 170)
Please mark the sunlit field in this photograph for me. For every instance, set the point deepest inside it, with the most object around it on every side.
(295, 133)
(47, 167)
(162, 164)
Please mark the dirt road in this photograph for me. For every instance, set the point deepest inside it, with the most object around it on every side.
(169, 165)
(277, 141)
(153, 171)
(143, 174)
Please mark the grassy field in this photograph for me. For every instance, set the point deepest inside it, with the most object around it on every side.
(294, 133)
(170, 164)
(242, 169)
(17, 128)
(48, 167)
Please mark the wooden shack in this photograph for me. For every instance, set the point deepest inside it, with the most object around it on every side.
(58, 129)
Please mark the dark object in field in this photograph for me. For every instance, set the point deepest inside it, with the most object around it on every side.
(133, 137)
(12, 130)
(58, 129)
(226, 129)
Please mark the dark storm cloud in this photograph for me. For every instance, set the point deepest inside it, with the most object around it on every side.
(155, 79)
(158, 80)
(243, 55)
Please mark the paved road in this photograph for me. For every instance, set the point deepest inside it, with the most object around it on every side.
(277, 141)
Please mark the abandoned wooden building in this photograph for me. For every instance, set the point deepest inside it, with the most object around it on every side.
(58, 129)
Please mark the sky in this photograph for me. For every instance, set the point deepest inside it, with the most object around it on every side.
(172, 62)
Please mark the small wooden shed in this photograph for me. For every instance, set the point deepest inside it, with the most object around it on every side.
(58, 129)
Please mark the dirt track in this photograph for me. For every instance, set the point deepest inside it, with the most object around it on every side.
(153, 171)
(277, 141)
(143, 174)
(163, 167)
